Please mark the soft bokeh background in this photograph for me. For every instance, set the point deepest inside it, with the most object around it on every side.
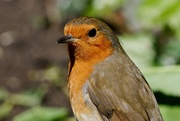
(33, 69)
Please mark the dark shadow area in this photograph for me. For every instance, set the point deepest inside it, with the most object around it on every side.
(167, 99)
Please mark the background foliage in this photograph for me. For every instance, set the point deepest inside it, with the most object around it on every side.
(148, 30)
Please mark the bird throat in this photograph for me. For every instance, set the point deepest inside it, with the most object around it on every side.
(91, 55)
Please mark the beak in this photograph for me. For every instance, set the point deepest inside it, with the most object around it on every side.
(66, 39)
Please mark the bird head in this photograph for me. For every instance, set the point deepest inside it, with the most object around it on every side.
(88, 38)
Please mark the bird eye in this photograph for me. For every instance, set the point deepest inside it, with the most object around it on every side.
(92, 33)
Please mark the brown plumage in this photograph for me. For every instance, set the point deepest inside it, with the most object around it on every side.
(104, 84)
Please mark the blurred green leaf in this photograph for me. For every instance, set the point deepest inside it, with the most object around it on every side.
(3, 94)
(25, 100)
(71, 119)
(42, 114)
(165, 79)
(171, 53)
(139, 47)
(38, 92)
(159, 13)
(29, 98)
(5, 109)
(53, 74)
(101, 7)
(56, 75)
(170, 113)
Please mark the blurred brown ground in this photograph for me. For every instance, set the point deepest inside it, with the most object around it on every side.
(25, 46)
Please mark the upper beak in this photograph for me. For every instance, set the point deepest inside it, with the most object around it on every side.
(66, 39)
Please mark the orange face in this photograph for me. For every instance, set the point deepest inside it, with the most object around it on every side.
(88, 39)
(84, 33)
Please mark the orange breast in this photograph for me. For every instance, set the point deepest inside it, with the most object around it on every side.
(78, 76)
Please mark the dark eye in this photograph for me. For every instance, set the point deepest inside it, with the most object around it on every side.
(92, 33)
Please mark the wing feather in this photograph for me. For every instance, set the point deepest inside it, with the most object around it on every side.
(121, 93)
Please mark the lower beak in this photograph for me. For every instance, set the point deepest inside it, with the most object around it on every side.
(66, 39)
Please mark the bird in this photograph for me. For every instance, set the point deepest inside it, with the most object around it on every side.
(104, 84)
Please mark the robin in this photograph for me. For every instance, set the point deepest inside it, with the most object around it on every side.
(103, 82)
